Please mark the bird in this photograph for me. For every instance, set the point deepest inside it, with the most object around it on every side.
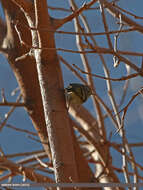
(77, 94)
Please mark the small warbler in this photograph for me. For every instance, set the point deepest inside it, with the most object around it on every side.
(77, 93)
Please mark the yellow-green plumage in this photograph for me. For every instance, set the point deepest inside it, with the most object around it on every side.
(77, 93)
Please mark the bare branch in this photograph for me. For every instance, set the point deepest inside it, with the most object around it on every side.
(116, 13)
(15, 104)
(9, 113)
(106, 78)
(76, 13)
(18, 169)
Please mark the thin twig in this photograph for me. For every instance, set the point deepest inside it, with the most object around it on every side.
(9, 113)
(3, 96)
(106, 78)
(127, 12)
(21, 130)
(76, 13)
(15, 104)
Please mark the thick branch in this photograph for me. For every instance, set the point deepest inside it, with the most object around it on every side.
(56, 116)
(24, 69)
